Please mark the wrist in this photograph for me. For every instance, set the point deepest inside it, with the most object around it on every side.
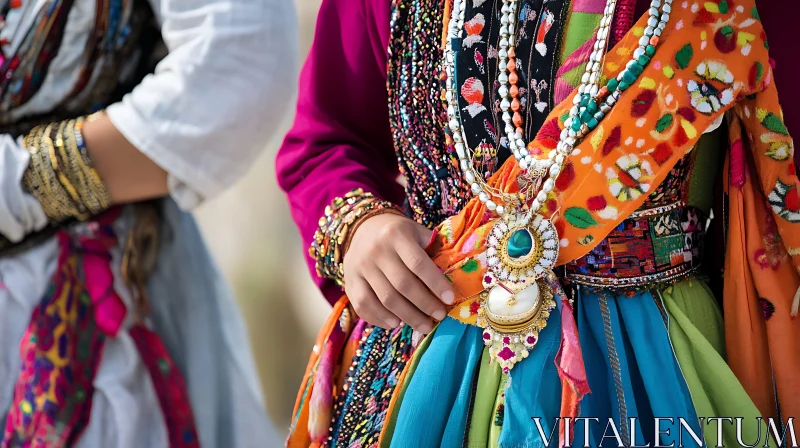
(342, 218)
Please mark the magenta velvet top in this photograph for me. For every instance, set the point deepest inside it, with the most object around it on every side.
(340, 139)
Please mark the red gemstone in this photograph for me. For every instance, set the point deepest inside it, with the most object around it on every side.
(531, 340)
(506, 354)
(506, 340)
(473, 307)
(486, 335)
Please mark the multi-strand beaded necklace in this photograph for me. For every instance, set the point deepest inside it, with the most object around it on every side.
(522, 247)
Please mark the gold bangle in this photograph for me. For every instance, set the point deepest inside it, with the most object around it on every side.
(60, 174)
(372, 213)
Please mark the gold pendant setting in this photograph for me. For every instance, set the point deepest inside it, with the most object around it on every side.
(514, 307)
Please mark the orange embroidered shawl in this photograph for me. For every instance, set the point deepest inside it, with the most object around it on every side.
(712, 62)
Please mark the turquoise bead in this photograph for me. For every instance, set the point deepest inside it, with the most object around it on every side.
(585, 100)
(520, 244)
(636, 68)
(650, 50)
(644, 60)
(586, 116)
(576, 124)
(592, 107)
(592, 123)
(612, 85)
(623, 86)
(629, 77)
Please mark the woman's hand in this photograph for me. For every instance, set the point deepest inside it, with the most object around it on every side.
(389, 277)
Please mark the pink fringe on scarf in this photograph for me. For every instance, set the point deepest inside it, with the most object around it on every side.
(569, 362)
(321, 402)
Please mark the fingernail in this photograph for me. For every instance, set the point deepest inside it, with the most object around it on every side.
(394, 323)
(448, 297)
(425, 329)
(439, 315)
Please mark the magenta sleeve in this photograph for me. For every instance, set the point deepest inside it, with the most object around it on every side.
(340, 139)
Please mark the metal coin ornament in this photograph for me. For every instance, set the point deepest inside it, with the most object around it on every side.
(521, 252)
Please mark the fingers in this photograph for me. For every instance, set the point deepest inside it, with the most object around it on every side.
(420, 264)
(397, 302)
(368, 306)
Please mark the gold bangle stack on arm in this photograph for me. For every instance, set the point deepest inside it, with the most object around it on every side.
(60, 174)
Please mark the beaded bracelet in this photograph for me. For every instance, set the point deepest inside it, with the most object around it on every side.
(341, 219)
(61, 175)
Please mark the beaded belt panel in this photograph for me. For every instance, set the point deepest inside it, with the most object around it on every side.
(645, 250)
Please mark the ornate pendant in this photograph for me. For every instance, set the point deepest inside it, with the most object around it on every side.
(521, 252)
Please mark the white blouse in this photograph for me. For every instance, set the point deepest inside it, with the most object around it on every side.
(203, 116)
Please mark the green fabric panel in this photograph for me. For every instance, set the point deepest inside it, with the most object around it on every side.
(500, 400)
(485, 397)
(581, 27)
(696, 330)
(708, 162)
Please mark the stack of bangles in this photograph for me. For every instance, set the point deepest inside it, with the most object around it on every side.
(61, 175)
(340, 222)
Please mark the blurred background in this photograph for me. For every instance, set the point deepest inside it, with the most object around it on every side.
(256, 245)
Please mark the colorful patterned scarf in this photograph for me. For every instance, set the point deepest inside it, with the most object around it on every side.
(712, 63)
(63, 346)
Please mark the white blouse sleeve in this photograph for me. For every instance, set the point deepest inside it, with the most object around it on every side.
(213, 101)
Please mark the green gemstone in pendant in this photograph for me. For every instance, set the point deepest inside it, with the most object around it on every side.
(520, 244)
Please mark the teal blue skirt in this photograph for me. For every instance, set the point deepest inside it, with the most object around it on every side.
(453, 396)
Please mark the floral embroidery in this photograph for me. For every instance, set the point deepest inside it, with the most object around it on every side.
(474, 27)
(630, 178)
(785, 201)
(707, 95)
(472, 90)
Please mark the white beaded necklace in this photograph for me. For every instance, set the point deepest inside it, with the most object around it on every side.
(590, 85)
(522, 246)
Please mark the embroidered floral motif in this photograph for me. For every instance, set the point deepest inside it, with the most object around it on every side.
(785, 201)
(474, 27)
(714, 90)
(472, 90)
(629, 178)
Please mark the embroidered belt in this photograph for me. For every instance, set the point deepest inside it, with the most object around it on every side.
(652, 247)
